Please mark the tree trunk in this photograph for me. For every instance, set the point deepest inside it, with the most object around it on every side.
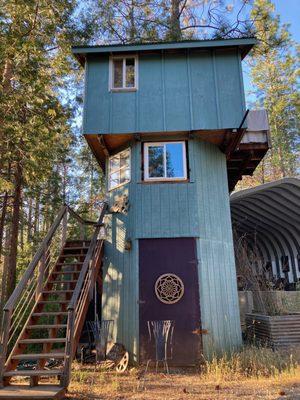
(36, 217)
(174, 25)
(13, 242)
(2, 222)
(4, 295)
(29, 220)
(132, 28)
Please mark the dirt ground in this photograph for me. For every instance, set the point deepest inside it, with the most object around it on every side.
(179, 385)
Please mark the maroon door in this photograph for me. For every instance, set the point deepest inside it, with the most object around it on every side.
(169, 289)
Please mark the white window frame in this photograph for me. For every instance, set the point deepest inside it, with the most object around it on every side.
(147, 178)
(111, 74)
(110, 172)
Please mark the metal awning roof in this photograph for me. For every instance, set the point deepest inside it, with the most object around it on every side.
(269, 215)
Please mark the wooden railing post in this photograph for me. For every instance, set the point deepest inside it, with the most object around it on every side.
(41, 274)
(4, 340)
(65, 380)
(81, 231)
(64, 228)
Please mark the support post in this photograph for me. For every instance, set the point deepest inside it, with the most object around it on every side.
(4, 340)
(64, 228)
(65, 379)
(81, 231)
(41, 274)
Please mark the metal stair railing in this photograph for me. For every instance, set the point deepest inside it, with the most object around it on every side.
(25, 295)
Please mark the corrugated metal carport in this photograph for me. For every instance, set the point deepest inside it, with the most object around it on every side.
(268, 216)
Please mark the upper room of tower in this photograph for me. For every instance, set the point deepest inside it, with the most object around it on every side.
(163, 87)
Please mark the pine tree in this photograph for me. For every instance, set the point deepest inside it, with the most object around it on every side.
(129, 21)
(274, 75)
(34, 123)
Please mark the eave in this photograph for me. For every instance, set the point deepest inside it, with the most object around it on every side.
(242, 159)
(243, 44)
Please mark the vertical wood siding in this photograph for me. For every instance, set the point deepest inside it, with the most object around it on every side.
(198, 209)
(194, 90)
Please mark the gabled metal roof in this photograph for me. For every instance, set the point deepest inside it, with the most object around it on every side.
(245, 45)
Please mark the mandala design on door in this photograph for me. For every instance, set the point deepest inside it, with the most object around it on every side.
(169, 288)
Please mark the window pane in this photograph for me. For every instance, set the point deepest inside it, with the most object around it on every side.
(129, 72)
(174, 160)
(124, 159)
(118, 72)
(124, 175)
(114, 163)
(156, 161)
(114, 180)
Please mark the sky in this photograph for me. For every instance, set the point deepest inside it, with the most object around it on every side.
(289, 11)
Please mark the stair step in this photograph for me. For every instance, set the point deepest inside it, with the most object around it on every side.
(25, 392)
(72, 241)
(54, 302)
(34, 372)
(66, 264)
(38, 356)
(58, 291)
(63, 282)
(52, 326)
(71, 255)
(49, 314)
(65, 272)
(42, 341)
(76, 248)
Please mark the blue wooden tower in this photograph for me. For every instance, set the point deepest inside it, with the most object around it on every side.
(165, 122)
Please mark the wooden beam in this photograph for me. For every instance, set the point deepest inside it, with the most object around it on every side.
(244, 166)
(237, 137)
(103, 145)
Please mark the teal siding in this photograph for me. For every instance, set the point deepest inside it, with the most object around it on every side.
(217, 274)
(198, 209)
(177, 92)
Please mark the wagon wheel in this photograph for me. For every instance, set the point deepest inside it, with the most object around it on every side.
(123, 363)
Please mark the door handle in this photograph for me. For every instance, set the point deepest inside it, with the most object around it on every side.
(141, 301)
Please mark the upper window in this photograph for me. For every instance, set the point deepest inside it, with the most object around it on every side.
(119, 169)
(165, 161)
(123, 73)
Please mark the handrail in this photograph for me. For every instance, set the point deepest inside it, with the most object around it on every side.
(29, 271)
(79, 218)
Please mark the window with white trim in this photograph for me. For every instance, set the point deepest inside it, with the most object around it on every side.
(123, 73)
(119, 169)
(165, 161)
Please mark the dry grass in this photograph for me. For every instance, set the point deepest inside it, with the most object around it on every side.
(251, 374)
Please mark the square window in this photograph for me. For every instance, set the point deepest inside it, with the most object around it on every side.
(123, 73)
(119, 169)
(165, 161)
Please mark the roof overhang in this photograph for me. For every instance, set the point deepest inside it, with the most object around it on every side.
(244, 148)
(243, 44)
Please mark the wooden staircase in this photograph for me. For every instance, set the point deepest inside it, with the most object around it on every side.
(44, 317)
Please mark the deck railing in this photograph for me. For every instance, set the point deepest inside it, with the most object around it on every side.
(17, 309)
